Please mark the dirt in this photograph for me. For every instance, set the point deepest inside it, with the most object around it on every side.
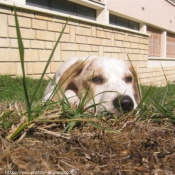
(138, 147)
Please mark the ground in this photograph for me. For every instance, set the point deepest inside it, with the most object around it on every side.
(138, 147)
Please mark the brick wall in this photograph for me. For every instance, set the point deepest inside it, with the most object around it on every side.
(40, 32)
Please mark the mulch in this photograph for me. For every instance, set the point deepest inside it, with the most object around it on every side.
(138, 147)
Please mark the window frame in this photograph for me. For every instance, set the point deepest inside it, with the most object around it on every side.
(170, 48)
(154, 42)
(115, 21)
(92, 16)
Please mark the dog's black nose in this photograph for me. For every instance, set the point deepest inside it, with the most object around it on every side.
(123, 102)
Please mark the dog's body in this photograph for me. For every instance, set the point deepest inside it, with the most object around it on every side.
(111, 83)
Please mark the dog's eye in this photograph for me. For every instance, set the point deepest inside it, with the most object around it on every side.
(128, 79)
(97, 80)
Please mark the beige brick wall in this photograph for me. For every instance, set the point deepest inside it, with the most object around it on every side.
(40, 32)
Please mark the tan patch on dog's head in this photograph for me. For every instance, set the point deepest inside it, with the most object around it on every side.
(71, 80)
(66, 80)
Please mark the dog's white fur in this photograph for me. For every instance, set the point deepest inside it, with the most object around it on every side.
(76, 75)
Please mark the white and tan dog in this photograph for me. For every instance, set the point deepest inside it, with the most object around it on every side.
(111, 83)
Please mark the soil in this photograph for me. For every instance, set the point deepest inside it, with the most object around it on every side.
(138, 147)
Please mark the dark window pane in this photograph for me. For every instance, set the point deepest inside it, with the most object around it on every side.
(38, 3)
(133, 25)
(63, 6)
(85, 12)
(112, 19)
(116, 20)
(122, 22)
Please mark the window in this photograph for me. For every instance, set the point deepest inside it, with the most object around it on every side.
(154, 42)
(122, 22)
(65, 7)
(85, 12)
(170, 45)
(116, 20)
(38, 3)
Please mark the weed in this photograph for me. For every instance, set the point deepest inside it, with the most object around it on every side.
(32, 110)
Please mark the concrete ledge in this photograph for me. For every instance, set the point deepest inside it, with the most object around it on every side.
(160, 62)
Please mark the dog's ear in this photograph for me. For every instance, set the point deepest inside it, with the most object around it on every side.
(137, 92)
(68, 79)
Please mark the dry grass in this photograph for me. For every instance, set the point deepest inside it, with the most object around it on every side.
(142, 147)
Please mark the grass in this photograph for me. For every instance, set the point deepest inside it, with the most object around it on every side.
(11, 89)
(159, 102)
(156, 104)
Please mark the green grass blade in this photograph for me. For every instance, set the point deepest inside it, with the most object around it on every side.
(84, 101)
(168, 86)
(164, 97)
(143, 99)
(105, 129)
(21, 53)
(64, 98)
(96, 125)
(5, 122)
(135, 75)
(165, 76)
(18, 130)
(91, 106)
(161, 109)
(5, 115)
(48, 62)
(71, 124)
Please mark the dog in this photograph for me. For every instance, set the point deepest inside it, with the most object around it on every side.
(108, 83)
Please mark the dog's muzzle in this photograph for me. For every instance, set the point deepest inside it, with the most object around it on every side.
(124, 103)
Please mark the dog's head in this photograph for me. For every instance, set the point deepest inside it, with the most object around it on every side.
(108, 82)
